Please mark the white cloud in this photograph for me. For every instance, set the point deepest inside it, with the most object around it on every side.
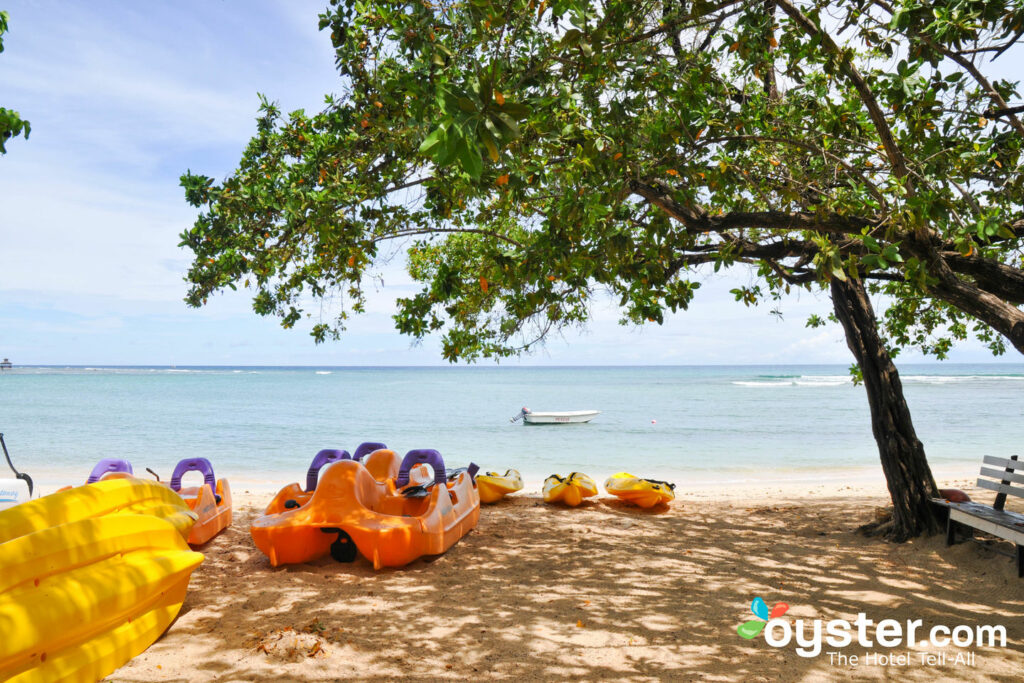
(123, 98)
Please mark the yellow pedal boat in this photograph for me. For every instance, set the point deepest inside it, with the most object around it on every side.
(570, 490)
(79, 599)
(645, 493)
(493, 486)
(110, 496)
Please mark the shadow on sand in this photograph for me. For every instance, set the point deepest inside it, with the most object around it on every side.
(601, 592)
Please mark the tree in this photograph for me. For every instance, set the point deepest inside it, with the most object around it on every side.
(11, 123)
(532, 154)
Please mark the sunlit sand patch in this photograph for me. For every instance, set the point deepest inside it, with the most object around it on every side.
(538, 595)
(661, 622)
(902, 584)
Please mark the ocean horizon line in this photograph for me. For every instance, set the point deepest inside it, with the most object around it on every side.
(497, 366)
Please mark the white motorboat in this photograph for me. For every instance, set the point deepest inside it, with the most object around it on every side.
(555, 418)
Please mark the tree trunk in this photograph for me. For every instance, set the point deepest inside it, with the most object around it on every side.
(906, 470)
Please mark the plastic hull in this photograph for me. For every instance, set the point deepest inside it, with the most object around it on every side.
(645, 493)
(570, 490)
(568, 417)
(212, 517)
(13, 492)
(80, 599)
(126, 495)
(386, 528)
(493, 486)
(382, 464)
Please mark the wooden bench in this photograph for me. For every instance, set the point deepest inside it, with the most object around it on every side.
(993, 519)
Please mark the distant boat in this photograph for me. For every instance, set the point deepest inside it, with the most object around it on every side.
(5, 364)
(554, 418)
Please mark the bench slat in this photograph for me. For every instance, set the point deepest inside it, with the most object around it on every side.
(999, 524)
(1015, 477)
(1003, 462)
(1000, 488)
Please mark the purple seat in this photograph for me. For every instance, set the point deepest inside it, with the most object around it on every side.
(324, 457)
(201, 465)
(426, 456)
(108, 465)
(365, 448)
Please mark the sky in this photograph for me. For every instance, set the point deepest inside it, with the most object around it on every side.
(124, 97)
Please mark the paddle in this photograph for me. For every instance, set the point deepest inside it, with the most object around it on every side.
(20, 475)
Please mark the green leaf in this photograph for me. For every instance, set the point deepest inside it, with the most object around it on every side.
(571, 37)
(448, 101)
(435, 138)
(892, 253)
(492, 149)
(509, 128)
(491, 128)
(469, 157)
(445, 154)
(517, 110)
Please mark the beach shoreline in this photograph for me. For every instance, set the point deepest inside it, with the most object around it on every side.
(755, 485)
(600, 592)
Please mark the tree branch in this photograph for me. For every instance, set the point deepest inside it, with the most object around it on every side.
(993, 113)
(892, 150)
(697, 222)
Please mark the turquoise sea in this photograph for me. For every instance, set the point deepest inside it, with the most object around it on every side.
(260, 426)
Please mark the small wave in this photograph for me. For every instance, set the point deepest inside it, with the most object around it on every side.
(324, 372)
(955, 379)
(795, 381)
(822, 381)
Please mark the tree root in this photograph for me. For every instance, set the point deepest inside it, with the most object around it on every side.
(886, 528)
(876, 528)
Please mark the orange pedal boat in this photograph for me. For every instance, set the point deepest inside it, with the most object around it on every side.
(382, 463)
(390, 522)
(211, 501)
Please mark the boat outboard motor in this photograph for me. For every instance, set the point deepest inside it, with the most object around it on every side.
(522, 413)
(17, 489)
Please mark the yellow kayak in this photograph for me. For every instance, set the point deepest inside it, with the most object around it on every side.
(643, 492)
(493, 486)
(570, 490)
(79, 599)
(121, 496)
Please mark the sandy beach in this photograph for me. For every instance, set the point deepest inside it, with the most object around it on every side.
(600, 592)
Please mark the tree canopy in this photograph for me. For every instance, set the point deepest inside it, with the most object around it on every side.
(532, 154)
(11, 123)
